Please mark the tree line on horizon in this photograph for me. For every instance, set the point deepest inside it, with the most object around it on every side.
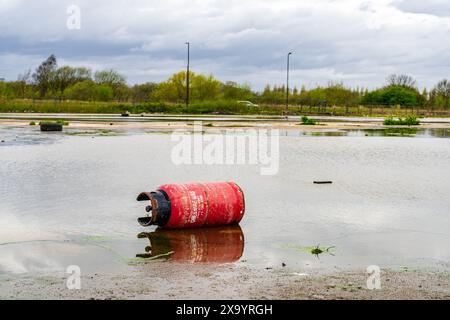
(49, 81)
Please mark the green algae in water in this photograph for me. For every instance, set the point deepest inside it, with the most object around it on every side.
(95, 133)
(159, 132)
(107, 133)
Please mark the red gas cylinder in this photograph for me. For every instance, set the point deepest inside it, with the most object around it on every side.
(194, 205)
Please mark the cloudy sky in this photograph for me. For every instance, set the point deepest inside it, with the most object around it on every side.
(358, 42)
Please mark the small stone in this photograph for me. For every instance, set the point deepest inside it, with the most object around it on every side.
(283, 264)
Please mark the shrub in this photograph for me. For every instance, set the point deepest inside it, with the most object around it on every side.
(411, 121)
(308, 121)
(390, 121)
(408, 121)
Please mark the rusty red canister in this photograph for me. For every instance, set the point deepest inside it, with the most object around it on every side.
(193, 205)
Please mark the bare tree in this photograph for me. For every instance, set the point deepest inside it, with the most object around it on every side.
(43, 74)
(109, 77)
(23, 79)
(402, 80)
(442, 90)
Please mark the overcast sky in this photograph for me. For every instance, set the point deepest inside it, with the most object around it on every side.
(354, 41)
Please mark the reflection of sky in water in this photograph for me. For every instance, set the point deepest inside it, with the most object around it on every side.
(388, 204)
(56, 256)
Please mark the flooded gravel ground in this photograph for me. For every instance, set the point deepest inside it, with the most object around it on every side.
(69, 199)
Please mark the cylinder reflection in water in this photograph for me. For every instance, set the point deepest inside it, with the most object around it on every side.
(218, 244)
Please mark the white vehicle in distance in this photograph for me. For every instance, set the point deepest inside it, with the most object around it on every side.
(248, 103)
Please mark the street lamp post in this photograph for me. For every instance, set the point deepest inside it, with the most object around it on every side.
(287, 83)
(187, 75)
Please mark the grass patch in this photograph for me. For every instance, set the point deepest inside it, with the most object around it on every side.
(408, 121)
(96, 133)
(308, 121)
(204, 107)
(107, 133)
(60, 121)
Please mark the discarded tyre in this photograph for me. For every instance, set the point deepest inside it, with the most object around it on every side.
(218, 245)
(51, 127)
(193, 205)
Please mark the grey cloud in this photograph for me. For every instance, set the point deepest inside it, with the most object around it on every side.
(433, 7)
(358, 42)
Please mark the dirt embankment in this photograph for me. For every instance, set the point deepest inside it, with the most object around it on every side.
(164, 280)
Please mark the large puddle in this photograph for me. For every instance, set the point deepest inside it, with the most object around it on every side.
(69, 199)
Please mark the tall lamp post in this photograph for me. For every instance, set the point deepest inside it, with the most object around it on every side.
(187, 75)
(287, 83)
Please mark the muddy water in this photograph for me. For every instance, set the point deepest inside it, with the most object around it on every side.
(70, 200)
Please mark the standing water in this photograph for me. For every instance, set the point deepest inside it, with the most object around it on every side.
(70, 199)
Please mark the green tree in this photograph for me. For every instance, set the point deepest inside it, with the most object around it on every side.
(143, 92)
(273, 95)
(233, 91)
(6, 91)
(393, 95)
(104, 93)
(122, 92)
(67, 76)
(114, 80)
(84, 90)
(205, 87)
(174, 89)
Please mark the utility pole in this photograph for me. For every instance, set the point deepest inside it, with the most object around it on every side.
(187, 75)
(287, 83)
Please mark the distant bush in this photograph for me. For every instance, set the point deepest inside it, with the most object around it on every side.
(104, 93)
(408, 121)
(393, 95)
(32, 123)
